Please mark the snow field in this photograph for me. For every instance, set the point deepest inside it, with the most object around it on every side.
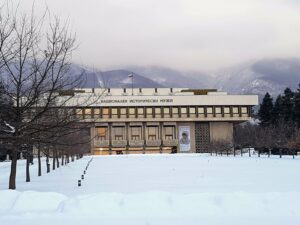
(158, 189)
(151, 204)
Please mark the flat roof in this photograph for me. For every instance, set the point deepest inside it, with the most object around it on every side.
(157, 97)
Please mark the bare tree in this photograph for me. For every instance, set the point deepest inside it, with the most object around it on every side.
(294, 143)
(34, 64)
(245, 136)
(273, 138)
(281, 134)
(221, 147)
(263, 137)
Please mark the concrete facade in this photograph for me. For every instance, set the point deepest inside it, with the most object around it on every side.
(221, 131)
(126, 121)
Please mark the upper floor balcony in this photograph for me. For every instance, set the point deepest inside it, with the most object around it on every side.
(136, 143)
(101, 143)
(153, 143)
(172, 142)
(119, 143)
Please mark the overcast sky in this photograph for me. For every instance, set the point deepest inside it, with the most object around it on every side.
(180, 34)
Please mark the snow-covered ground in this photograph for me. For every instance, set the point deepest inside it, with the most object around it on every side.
(157, 189)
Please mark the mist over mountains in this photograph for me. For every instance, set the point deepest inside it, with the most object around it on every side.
(271, 75)
(113, 79)
(259, 77)
(174, 78)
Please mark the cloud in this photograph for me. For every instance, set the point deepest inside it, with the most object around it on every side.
(182, 34)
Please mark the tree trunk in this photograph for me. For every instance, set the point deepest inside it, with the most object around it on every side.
(53, 159)
(13, 170)
(280, 153)
(31, 157)
(293, 154)
(27, 167)
(72, 158)
(249, 152)
(57, 158)
(62, 159)
(258, 152)
(234, 152)
(269, 152)
(39, 162)
(47, 162)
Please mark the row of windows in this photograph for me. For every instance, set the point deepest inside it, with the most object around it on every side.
(136, 133)
(159, 112)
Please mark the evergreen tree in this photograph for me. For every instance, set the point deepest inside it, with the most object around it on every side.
(2, 102)
(277, 112)
(6, 107)
(265, 110)
(288, 105)
(297, 107)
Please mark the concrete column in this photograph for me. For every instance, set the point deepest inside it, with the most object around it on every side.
(144, 136)
(92, 139)
(127, 135)
(160, 135)
(110, 137)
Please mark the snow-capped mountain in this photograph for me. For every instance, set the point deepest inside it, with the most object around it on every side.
(259, 77)
(174, 78)
(120, 78)
(110, 79)
(255, 77)
(271, 75)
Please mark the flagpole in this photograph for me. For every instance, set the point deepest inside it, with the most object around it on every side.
(131, 83)
(131, 76)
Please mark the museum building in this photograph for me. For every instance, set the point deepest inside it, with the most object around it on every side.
(160, 120)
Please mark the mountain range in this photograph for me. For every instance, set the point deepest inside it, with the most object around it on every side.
(271, 75)
(259, 77)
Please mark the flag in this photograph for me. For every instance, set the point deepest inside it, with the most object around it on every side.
(130, 75)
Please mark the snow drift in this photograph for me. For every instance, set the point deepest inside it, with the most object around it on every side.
(152, 204)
